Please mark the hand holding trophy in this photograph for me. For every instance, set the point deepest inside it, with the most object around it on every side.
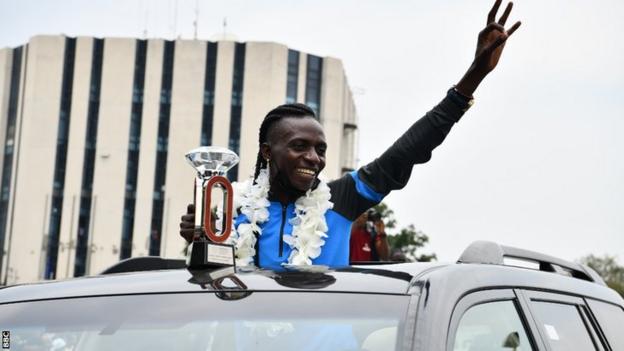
(208, 248)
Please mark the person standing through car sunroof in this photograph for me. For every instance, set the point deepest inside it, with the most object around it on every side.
(287, 215)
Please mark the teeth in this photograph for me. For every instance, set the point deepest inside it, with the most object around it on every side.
(306, 171)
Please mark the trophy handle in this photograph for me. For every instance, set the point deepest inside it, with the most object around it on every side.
(227, 225)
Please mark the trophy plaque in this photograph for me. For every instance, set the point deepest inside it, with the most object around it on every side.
(213, 224)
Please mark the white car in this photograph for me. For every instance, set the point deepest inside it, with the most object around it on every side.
(478, 303)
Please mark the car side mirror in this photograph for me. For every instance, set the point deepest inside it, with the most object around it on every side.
(512, 341)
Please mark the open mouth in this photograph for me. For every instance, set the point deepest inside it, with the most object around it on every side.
(306, 172)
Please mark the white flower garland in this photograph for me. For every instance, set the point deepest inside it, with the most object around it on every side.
(309, 225)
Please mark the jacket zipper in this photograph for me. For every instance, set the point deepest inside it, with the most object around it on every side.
(281, 243)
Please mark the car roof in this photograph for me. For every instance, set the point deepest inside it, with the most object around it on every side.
(445, 281)
(481, 266)
(456, 280)
(383, 279)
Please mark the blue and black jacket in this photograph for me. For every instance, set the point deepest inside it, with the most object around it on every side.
(356, 192)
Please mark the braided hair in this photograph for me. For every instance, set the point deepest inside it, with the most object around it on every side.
(296, 110)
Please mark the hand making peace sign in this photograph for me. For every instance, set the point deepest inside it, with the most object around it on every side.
(489, 48)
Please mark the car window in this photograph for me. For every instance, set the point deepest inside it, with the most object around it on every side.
(562, 326)
(202, 321)
(611, 320)
(491, 326)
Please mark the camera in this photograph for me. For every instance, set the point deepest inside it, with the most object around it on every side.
(373, 216)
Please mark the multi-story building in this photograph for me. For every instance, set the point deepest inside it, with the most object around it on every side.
(93, 134)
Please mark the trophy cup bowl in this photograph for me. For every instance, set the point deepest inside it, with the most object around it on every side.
(212, 160)
(208, 249)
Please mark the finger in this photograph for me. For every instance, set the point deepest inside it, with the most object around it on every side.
(514, 28)
(493, 11)
(190, 208)
(492, 27)
(505, 15)
(187, 235)
(187, 225)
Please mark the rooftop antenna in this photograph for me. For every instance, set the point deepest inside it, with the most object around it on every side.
(195, 23)
(146, 9)
(175, 19)
(224, 27)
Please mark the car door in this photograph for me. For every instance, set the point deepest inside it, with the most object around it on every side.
(563, 322)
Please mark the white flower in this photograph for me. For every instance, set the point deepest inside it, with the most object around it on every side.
(309, 225)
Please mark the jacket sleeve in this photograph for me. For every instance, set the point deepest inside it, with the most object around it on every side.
(392, 169)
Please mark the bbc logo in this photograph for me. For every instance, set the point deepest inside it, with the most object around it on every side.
(6, 339)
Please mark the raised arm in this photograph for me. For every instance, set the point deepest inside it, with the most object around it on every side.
(393, 168)
(490, 47)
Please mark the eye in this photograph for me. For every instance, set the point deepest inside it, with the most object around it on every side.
(299, 146)
(321, 150)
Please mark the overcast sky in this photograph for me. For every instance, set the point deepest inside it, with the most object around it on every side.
(538, 162)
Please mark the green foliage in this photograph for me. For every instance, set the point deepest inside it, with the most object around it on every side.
(407, 241)
(609, 270)
(386, 214)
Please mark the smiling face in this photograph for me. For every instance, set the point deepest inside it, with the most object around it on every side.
(296, 148)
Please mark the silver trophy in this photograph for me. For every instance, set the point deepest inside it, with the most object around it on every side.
(213, 225)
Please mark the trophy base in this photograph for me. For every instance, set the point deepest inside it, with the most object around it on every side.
(205, 277)
(207, 254)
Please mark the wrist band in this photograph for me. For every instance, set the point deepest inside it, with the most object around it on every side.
(462, 101)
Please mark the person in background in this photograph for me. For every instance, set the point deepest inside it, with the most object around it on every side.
(360, 248)
(368, 239)
(377, 229)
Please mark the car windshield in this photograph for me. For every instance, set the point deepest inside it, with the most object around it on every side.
(208, 321)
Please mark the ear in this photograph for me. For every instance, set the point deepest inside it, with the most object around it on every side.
(265, 150)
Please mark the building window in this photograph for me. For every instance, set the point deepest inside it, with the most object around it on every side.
(314, 76)
(134, 143)
(161, 151)
(7, 163)
(209, 92)
(293, 76)
(237, 104)
(86, 193)
(60, 161)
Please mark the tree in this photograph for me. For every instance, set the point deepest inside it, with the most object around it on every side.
(407, 241)
(609, 270)
(386, 214)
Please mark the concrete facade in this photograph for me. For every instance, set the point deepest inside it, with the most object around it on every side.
(27, 235)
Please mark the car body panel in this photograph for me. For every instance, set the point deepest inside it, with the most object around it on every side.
(389, 279)
(440, 290)
(436, 290)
